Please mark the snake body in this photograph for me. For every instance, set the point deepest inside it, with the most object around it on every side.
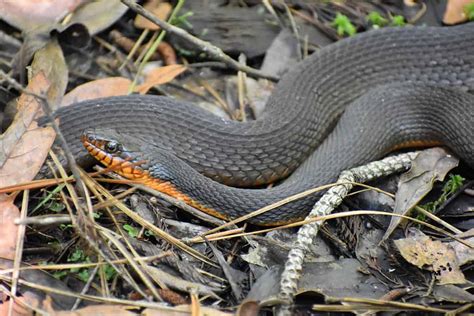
(396, 87)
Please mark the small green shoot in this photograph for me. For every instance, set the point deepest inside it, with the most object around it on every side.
(343, 25)
(110, 272)
(182, 20)
(132, 231)
(398, 20)
(469, 11)
(149, 233)
(84, 275)
(65, 226)
(376, 19)
(56, 207)
(454, 183)
(50, 196)
(60, 274)
(76, 256)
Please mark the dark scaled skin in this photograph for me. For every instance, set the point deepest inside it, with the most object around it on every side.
(301, 112)
(382, 119)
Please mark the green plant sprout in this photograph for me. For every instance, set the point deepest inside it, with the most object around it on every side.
(376, 19)
(398, 20)
(132, 231)
(343, 25)
(454, 183)
(182, 20)
(469, 11)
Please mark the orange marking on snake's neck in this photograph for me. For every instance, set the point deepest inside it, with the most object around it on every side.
(130, 171)
(415, 144)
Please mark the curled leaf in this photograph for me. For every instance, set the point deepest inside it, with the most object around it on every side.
(429, 166)
(423, 252)
(160, 76)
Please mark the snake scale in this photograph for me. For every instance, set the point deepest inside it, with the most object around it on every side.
(349, 103)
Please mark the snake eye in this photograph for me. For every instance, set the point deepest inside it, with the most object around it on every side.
(111, 146)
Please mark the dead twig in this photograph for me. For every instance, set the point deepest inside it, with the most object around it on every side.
(213, 51)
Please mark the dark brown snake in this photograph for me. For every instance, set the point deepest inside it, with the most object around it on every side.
(394, 88)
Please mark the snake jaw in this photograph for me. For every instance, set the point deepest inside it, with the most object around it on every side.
(120, 161)
(156, 177)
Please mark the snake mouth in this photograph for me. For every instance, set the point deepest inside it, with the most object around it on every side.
(118, 160)
(113, 155)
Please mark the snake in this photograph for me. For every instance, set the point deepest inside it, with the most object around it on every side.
(348, 103)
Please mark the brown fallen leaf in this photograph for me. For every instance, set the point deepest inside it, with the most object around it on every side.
(50, 61)
(23, 149)
(455, 11)
(28, 108)
(30, 14)
(8, 214)
(19, 307)
(430, 165)
(27, 157)
(99, 14)
(159, 76)
(248, 308)
(463, 252)
(115, 86)
(101, 88)
(423, 252)
(159, 8)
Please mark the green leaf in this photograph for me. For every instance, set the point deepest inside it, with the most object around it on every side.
(454, 183)
(66, 226)
(149, 233)
(451, 186)
(469, 11)
(343, 25)
(182, 20)
(132, 231)
(60, 274)
(56, 207)
(376, 19)
(84, 275)
(110, 272)
(76, 256)
(398, 20)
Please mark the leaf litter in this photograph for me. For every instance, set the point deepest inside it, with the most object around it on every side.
(238, 267)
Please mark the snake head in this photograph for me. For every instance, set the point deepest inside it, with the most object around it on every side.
(131, 157)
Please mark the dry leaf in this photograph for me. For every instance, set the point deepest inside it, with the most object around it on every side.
(24, 146)
(162, 277)
(248, 308)
(99, 15)
(28, 108)
(423, 252)
(159, 8)
(30, 14)
(160, 76)
(463, 252)
(50, 61)
(429, 166)
(455, 11)
(20, 306)
(27, 157)
(100, 88)
(8, 214)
